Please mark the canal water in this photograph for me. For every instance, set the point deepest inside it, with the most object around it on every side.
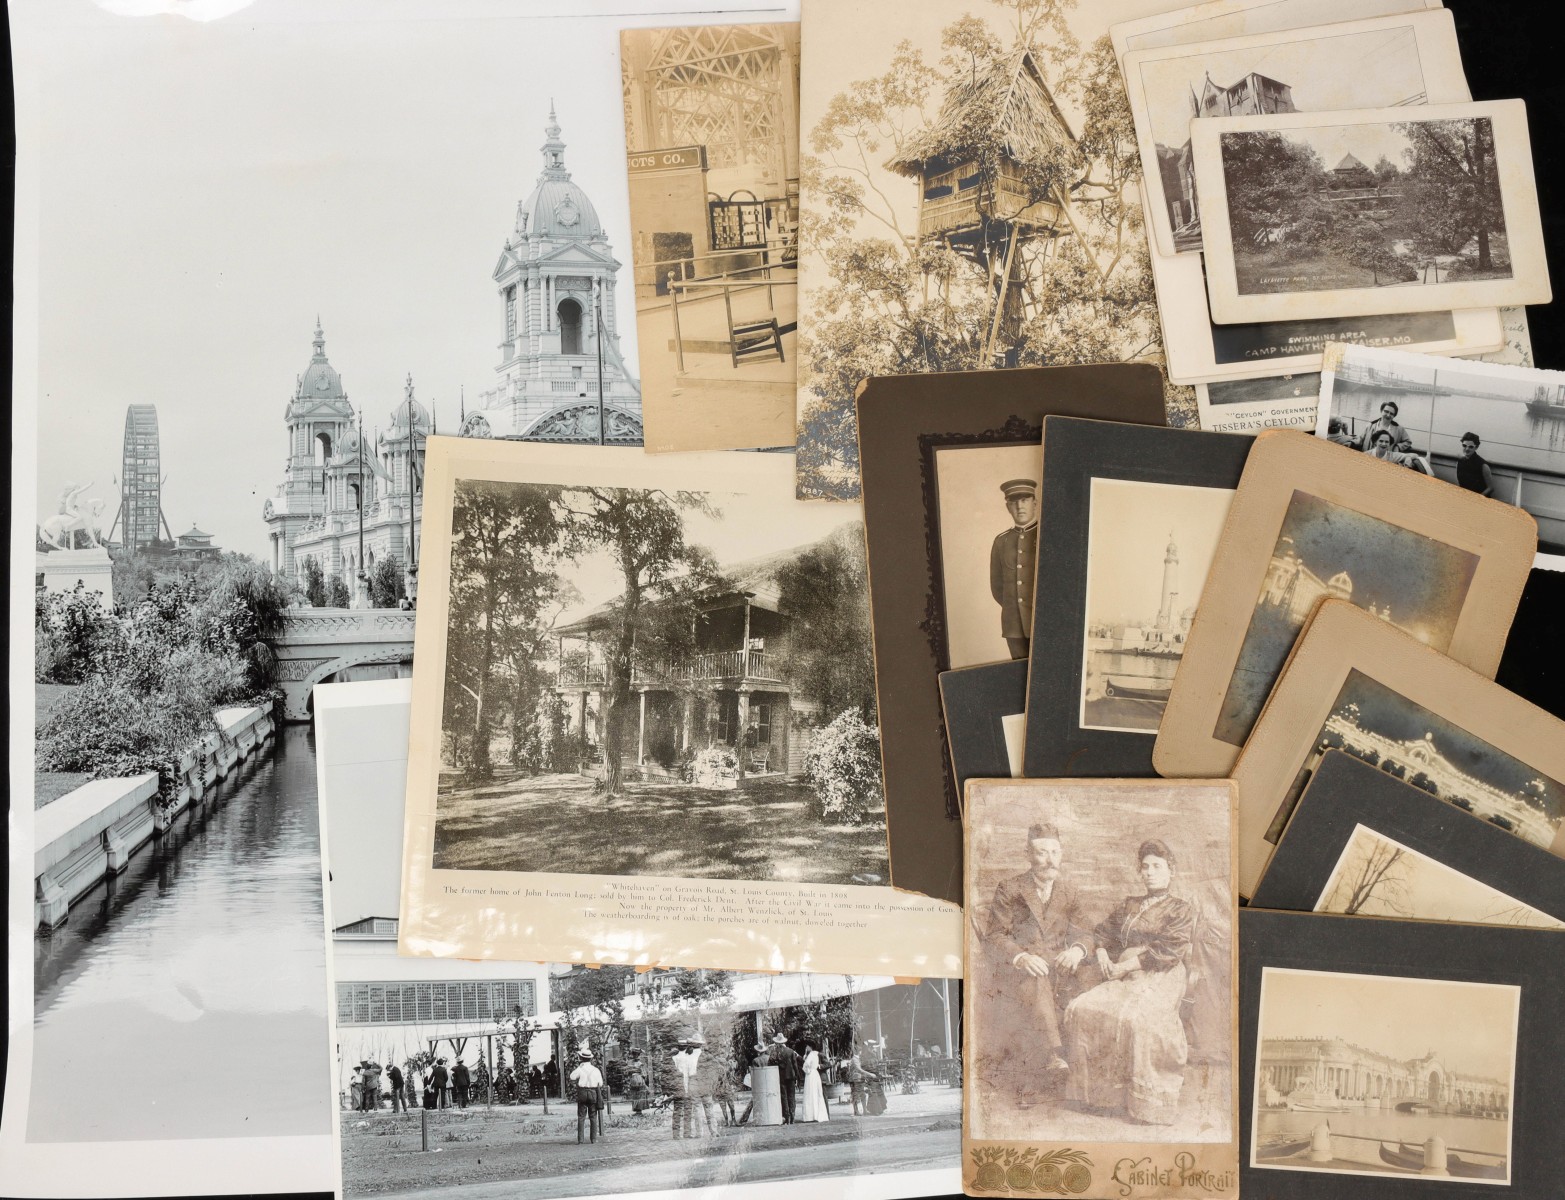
(186, 999)
(1459, 1133)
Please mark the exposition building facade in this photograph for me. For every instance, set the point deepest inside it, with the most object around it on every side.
(1317, 1071)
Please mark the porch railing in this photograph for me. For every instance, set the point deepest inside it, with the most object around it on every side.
(712, 664)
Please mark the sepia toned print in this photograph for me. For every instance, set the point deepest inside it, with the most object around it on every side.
(1100, 943)
(987, 497)
(1402, 60)
(1377, 876)
(712, 141)
(1384, 1075)
(641, 655)
(1407, 741)
(1325, 550)
(1149, 546)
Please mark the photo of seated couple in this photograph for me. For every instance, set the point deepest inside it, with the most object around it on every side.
(1107, 990)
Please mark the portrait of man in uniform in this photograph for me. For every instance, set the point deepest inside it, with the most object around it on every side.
(1013, 562)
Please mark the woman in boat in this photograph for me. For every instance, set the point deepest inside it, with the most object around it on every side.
(1124, 1038)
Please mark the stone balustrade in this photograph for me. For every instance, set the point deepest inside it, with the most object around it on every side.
(91, 832)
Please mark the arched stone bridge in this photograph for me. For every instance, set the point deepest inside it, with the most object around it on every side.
(318, 643)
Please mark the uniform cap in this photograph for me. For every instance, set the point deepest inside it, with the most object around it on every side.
(1019, 487)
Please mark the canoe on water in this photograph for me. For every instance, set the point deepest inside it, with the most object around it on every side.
(1282, 1149)
(1411, 1158)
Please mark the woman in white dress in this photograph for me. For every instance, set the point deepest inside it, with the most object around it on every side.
(814, 1096)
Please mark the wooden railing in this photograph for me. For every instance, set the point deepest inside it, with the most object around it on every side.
(712, 664)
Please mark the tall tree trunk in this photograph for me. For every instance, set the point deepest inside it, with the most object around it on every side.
(481, 768)
(619, 682)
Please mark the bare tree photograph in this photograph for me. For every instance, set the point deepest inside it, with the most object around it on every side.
(969, 200)
(660, 682)
(1407, 741)
(1100, 950)
(1377, 876)
(1416, 1074)
(1149, 546)
(1325, 550)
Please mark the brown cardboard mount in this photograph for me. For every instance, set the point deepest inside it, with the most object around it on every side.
(716, 281)
(903, 421)
(1501, 539)
(1341, 639)
(1028, 1131)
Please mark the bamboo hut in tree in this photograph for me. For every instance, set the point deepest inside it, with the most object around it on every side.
(988, 172)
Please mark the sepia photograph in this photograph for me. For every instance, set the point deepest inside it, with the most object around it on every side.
(1149, 546)
(970, 199)
(1377, 876)
(987, 498)
(712, 157)
(692, 669)
(1100, 937)
(1495, 430)
(1250, 405)
(1384, 1075)
(1381, 210)
(1382, 63)
(1407, 741)
(1329, 551)
(1216, 20)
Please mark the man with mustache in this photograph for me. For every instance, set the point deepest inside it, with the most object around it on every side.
(1040, 937)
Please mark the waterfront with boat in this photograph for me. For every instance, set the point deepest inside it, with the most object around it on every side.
(1376, 1140)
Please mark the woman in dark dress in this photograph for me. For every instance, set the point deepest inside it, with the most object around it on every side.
(1124, 1038)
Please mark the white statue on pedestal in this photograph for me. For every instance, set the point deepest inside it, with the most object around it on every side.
(73, 516)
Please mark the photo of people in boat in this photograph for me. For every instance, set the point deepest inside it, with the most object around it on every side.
(1380, 1074)
(1138, 615)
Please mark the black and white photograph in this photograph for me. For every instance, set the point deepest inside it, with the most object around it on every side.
(1495, 430)
(1149, 546)
(1326, 550)
(1374, 211)
(1363, 1074)
(987, 500)
(1100, 961)
(1386, 62)
(553, 1079)
(694, 669)
(1377, 876)
(712, 158)
(1407, 741)
(970, 198)
(1250, 405)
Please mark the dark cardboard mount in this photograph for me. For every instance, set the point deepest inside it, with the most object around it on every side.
(1346, 792)
(974, 699)
(902, 421)
(1075, 453)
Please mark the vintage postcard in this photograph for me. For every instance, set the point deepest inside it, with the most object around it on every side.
(1314, 521)
(1357, 682)
(712, 157)
(1251, 405)
(1372, 211)
(1362, 841)
(1383, 62)
(1099, 1005)
(1222, 19)
(954, 143)
(1134, 517)
(1378, 1050)
(1495, 430)
(985, 712)
(952, 464)
(1198, 351)
(644, 727)
(695, 1080)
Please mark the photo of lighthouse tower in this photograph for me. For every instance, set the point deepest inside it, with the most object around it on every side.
(1137, 617)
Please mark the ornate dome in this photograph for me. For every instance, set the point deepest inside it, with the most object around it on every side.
(557, 208)
(320, 380)
(346, 451)
(399, 415)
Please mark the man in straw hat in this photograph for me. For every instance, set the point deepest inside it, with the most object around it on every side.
(789, 1073)
(686, 1085)
(1013, 565)
(589, 1096)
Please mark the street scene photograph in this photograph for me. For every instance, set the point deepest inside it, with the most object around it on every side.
(658, 682)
